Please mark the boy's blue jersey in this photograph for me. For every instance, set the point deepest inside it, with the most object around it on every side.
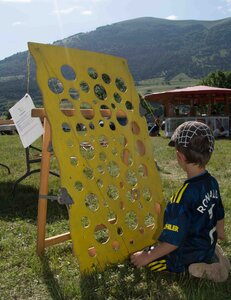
(190, 222)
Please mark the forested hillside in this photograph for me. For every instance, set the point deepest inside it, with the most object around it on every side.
(153, 47)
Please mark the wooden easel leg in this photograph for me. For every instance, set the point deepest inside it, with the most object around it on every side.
(43, 190)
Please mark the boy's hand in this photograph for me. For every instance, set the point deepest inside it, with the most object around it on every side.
(141, 258)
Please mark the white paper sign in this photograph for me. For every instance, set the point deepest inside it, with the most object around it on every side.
(29, 129)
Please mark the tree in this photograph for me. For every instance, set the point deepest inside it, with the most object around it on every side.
(218, 79)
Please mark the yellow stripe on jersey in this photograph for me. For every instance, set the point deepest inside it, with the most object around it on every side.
(173, 198)
(158, 267)
(161, 269)
(181, 193)
(163, 261)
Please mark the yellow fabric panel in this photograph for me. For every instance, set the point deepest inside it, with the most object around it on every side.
(104, 153)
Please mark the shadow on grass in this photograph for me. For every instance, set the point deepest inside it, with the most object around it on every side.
(24, 204)
(116, 282)
(126, 282)
(50, 280)
(123, 281)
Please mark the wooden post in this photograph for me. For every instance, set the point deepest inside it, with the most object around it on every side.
(43, 190)
(42, 241)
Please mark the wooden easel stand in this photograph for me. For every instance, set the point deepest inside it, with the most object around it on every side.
(42, 241)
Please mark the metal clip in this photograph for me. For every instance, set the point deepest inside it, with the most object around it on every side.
(50, 147)
(63, 198)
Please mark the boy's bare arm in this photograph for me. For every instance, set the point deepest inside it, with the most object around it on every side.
(220, 229)
(142, 258)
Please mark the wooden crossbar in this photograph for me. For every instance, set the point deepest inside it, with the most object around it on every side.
(87, 113)
(6, 122)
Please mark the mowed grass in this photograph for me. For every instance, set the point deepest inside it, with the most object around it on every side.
(56, 275)
(160, 84)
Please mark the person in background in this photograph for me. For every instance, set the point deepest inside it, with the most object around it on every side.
(158, 124)
(220, 130)
(155, 129)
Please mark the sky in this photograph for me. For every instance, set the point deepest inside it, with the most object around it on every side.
(46, 21)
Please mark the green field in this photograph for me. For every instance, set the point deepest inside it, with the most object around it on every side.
(161, 84)
(56, 275)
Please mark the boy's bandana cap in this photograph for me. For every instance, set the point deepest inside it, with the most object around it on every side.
(186, 131)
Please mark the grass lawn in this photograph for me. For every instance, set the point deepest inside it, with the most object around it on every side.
(160, 84)
(56, 275)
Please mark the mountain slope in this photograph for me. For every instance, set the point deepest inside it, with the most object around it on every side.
(153, 47)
